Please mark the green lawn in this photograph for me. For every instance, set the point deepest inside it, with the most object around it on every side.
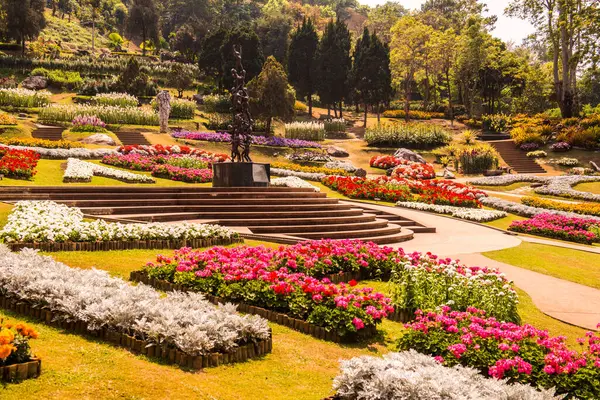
(504, 223)
(591, 187)
(571, 265)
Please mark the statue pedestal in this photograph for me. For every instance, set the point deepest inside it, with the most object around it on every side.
(241, 174)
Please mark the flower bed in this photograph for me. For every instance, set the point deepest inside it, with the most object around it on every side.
(503, 350)
(293, 182)
(309, 156)
(63, 154)
(43, 143)
(559, 227)
(565, 162)
(182, 328)
(577, 208)
(115, 99)
(418, 136)
(190, 175)
(18, 164)
(424, 115)
(88, 123)
(521, 209)
(313, 131)
(159, 149)
(24, 98)
(108, 114)
(7, 119)
(309, 176)
(385, 162)
(560, 147)
(16, 361)
(310, 170)
(393, 190)
(410, 375)
(180, 108)
(413, 170)
(471, 214)
(537, 154)
(83, 171)
(274, 141)
(334, 125)
(49, 222)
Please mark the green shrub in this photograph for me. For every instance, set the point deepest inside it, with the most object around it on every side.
(180, 109)
(220, 122)
(477, 159)
(115, 99)
(412, 135)
(587, 138)
(522, 135)
(496, 123)
(216, 103)
(60, 79)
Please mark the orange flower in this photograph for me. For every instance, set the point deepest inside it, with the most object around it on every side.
(6, 337)
(5, 351)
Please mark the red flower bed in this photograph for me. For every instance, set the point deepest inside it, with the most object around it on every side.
(385, 162)
(18, 164)
(441, 192)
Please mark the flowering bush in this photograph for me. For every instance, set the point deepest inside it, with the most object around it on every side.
(190, 175)
(344, 165)
(47, 221)
(115, 99)
(529, 146)
(185, 321)
(274, 141)
(7, 119)
(477, 159)
(412, 135)
(385, 162)
(18, 164)
(413, 170)
(560, 146)
(293, 182)
(409, 375)
(471, 214)
(14, 343)
(335, 125)
(537, 154)
(578, 208)
(496, 122)
(46, 144)
(24, 98)
(214, 103)
(109, 114)
(314, 131)
(567, 162)
(520, 353)
(256, 276)
(83, 171)
(159, 149)
(87, 123)
(559, 227)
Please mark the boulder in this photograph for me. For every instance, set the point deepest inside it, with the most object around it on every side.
(448, 174)
(594, 166)
(335, 151)
(198, 98)
(361, 173)
(99, 138)
(35, 83)
(409, 155)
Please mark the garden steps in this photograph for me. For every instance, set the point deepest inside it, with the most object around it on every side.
(376, 224)
(396, 219)
(306, 221)
(132, 138)
(192, 202)
(48, 132)
(390, 229)
(516, 158)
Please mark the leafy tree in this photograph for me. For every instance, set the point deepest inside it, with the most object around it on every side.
(193, 13)
(252, 56)
(383, 17)
(120, 14)
(301, 61)
(271, 94)
(409, 38)
(443, 46)
(209, 58)
(135, 82)
(334, 64)
(446, 14)
(274, 31)
(186, 42)
(24, 19)
(180, 78)
(143, 20)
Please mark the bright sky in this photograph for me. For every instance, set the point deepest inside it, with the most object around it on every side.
(507, 29)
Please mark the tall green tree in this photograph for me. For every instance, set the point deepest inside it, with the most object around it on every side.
(443, 46)
(334, 64)
(383, 17)
(274, 33)
(209, 58)
(270, 93)
(143, 21)
(252, 56)
(301, 60)
(24, 19)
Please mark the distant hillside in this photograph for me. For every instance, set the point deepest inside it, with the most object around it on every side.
(70, 35)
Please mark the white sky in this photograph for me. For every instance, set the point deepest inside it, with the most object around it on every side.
(507, 29)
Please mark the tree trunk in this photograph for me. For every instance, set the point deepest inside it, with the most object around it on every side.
(23, 45)
(341, 110)
(310, 105)
(407, 98)
(357, 107)
(365, 117)
(328, 110)
(269, 126)
(378, 114)
(450, 106)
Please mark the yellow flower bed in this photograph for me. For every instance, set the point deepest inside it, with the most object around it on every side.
(579, 208)
(46, 144)
(7, 119)
(313, 170)
(412, 114)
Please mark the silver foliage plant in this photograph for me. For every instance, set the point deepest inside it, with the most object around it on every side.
(522, 209)
(186, 321)
(413, 376)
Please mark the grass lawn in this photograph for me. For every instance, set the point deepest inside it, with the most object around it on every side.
(504, 223)
(571, 265)
(591, 187)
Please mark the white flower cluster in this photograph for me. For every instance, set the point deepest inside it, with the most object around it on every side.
(561, 186)
(293, 182)
(522, 209)
(339, 164)
(186, 321)
(47, 221)
(83, 171)
(565, 162)
(471, 214)
(63, 154)
(411, 375)
(309, 176)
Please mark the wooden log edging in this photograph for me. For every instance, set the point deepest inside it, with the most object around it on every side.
(165, 353)
(125, 245)
(273, 316)
(20, 372)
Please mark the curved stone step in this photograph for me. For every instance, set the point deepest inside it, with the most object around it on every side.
(290, 229)
(390, 229)
(198, 209)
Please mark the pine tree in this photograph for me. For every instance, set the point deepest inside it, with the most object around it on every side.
(360, 69)
(301, 60)
(24, 19)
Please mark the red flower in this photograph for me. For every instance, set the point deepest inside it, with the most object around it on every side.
(352, 283)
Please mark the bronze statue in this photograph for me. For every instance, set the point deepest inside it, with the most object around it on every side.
(241, 128)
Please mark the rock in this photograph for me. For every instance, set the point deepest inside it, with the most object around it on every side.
(336, 151)
(99, 138)
(22, 115)
(578, 170)
(35, 83)
(361, 173)
(198, 98)
(448, 174)
(409, 155)
(594, 166)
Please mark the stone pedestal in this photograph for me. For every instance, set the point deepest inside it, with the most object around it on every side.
(229, 174)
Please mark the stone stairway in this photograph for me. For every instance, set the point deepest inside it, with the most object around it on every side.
(131, 138)
(282, 215)
(516, 158)
(48, 132)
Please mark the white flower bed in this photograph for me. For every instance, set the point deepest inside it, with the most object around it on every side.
(293, 182)
(411, 375)
(522, 209)
(83, 171)
(63, 154)
(309, 176)
(561, 186)
(339, 164)
(183, 320)
(47, 221)
(471, 214)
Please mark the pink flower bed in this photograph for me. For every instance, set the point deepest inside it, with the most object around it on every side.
(520, 353)
(403, 168)
(190, 175)
(559, 227)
